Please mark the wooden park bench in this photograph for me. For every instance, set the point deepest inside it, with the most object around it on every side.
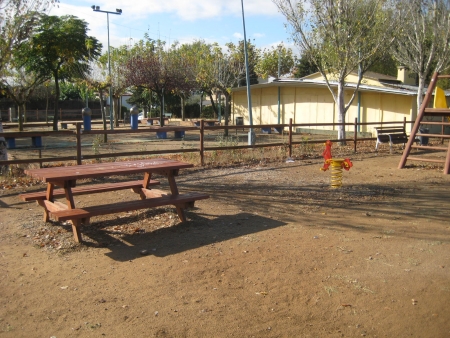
(392, 135)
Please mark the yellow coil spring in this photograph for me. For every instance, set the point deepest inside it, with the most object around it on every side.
(336, 173)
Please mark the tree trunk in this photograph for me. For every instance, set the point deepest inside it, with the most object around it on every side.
(161, 117)
(102, 109)
(201, 104)
(55, 111)
(19, 116)
(24, 109)
(116, 111)
(227, 110)
(46, 105)
(341, 113)
(210, 94)
(420, 92)
(183, 108)
(3, 151)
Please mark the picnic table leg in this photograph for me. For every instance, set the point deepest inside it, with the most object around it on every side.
(145, 185)
(76, 223)
(71, 205)
(174, 191)
(49, 197)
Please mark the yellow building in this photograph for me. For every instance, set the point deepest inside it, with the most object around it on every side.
(308, 100)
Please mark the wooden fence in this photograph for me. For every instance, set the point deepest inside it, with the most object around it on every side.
(286, 129)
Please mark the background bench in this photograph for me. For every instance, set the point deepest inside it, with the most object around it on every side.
(36, 138)
(392, 135)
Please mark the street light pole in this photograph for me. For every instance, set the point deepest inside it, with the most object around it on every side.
(117, 12)
(251, 133)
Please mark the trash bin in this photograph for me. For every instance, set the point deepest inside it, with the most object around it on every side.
(423, 139)
(239, 121)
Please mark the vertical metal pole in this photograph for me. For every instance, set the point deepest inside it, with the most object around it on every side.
(78, 136)
(290, 137)
(111, 115)
(202, 144)
(359, 110)
(251, 133)
(279, 94)
(220, 107)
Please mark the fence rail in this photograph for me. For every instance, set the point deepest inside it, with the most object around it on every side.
(286, 129)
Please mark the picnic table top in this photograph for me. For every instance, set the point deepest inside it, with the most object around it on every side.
(55, 174)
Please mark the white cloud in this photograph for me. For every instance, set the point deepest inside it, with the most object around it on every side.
(238, 36)
(190, 10)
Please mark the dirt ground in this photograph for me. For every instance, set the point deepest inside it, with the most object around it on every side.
(275, 252)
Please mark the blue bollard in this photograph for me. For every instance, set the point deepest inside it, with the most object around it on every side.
(179, 134)
(134, 112)
(86, 113)
(161, 134)
(11, 143)
(36, 141)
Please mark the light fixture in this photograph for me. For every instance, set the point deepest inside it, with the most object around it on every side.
(118, 12)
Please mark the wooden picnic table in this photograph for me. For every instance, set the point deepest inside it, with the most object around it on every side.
(66, 179)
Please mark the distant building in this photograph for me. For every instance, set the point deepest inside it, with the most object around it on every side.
(308, 100)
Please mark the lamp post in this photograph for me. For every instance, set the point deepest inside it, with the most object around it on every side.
(279, 90)
(251, 133)
(117, 12)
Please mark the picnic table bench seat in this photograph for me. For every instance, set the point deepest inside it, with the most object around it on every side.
(184, 200)
(80, 216)
(87, 189)
(392, 135)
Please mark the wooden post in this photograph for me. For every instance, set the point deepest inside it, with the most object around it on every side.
(78, 134)
(355, 137)
(290, 137)
(202, 144)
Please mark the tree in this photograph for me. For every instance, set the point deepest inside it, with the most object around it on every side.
(275, 59)
(19, 86)
(304, 67)
(339, 37)
(59, 48)
(238, 52)
(423, 42)
(17, 18)
(18, 82)
(216, 71)
(149, 66)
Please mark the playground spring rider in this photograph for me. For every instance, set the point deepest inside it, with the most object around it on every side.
(337, 164)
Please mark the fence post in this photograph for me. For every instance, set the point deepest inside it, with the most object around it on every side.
(290, 137)
(202, 144)
(78, 134)
(355, 140)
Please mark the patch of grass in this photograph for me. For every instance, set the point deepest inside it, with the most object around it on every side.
(330, 290)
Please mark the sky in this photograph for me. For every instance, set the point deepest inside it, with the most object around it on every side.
(181, 20)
